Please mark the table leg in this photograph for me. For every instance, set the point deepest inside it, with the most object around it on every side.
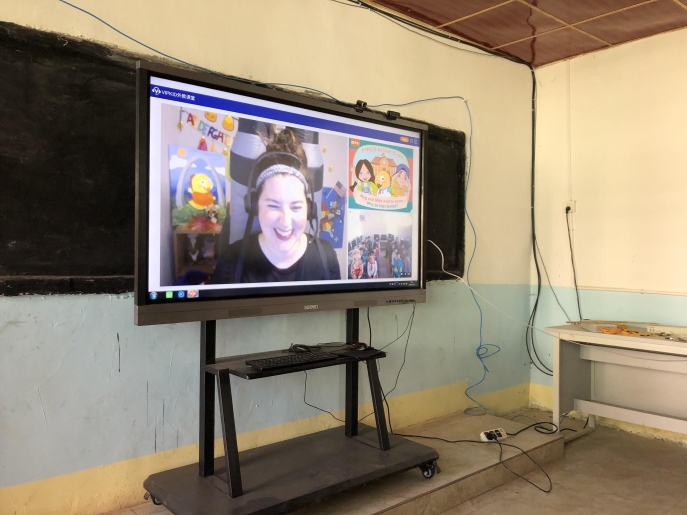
(351, 418)
(592, 418)
(206, 415)
(231, 451)
(572, 377)
(378, 405)
(556, 381)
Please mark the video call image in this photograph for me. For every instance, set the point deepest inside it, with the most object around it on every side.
(382, 246)
(250, 202)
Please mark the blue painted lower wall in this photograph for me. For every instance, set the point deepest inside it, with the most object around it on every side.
(82, 386)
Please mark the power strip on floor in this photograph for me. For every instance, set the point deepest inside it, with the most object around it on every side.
(493, 435)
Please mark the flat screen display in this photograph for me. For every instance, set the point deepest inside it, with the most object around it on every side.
(252, 197)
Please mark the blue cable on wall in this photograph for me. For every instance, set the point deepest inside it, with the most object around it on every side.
(482, 351)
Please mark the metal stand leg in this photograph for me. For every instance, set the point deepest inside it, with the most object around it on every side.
(378, 405)
(352, 325)
(206, 439)
(231, 451)
(351, 417)
(352, 336)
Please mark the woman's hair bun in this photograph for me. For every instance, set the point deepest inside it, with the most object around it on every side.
(288, 141)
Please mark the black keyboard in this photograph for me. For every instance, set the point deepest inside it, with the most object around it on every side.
(290, 359)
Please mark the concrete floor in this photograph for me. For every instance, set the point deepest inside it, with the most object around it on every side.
(606, 472)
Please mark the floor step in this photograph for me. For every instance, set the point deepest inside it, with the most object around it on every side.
(467, 469)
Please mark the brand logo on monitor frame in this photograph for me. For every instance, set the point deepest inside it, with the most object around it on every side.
(308, 307)
(157, 90)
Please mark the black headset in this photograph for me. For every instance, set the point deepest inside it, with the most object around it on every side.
(250, 202)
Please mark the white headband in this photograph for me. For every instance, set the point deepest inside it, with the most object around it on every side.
(280, 169)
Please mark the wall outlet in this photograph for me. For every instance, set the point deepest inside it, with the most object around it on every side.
(572, 204)
(493, 435)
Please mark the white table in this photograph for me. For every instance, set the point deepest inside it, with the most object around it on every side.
(575, 351)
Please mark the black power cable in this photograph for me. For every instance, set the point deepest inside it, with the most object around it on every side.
(408, 329)
(408, 326)
(529, 332)
(541, 427)
(405, 351)
(572, 260)
(501, 446)
(369, 325)
(305, 392)
(391, 16)
(548, 279)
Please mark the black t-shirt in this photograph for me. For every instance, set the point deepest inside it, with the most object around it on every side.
(258, 269)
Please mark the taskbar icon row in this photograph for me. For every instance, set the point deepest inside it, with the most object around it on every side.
(177, 294)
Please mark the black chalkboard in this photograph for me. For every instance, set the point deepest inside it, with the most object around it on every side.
(445, 202)
(67, 165)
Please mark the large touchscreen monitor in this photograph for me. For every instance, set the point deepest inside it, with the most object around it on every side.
(253, 201)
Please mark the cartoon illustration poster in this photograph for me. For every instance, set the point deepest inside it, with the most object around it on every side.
(198, 184)
(380, 176)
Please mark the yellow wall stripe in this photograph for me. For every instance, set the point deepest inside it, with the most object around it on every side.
(542, 397)
(119, 485)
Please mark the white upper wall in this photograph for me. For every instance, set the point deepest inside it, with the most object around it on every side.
(351, 54)
(612, 135)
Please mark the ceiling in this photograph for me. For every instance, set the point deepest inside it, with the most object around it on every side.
(544, 31)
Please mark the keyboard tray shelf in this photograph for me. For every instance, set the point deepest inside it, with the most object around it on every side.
(236, 365)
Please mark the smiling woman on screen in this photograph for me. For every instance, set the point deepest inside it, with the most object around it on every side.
(280, 196)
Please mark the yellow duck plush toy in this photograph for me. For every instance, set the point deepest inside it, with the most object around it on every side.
(200, 190)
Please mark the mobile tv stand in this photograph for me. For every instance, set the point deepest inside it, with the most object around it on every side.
(284, 476)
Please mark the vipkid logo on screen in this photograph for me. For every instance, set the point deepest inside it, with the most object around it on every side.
(355, 142)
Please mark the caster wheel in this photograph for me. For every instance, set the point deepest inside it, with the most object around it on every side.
(428, 470)
(155, 501)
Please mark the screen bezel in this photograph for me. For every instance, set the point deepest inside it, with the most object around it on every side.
(256, 305)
